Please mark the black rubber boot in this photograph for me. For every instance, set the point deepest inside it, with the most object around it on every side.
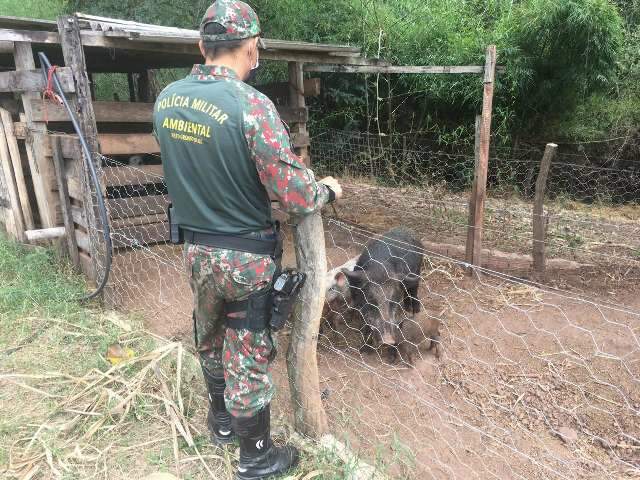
(259, 457)
(218, 419)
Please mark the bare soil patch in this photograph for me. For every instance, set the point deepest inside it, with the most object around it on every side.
(532, 384)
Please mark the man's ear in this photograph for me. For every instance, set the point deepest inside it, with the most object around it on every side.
(201, 46)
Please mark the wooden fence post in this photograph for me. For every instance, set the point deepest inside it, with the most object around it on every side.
(480, 176)
(539, 218)
(73, 54)
(472, 200)
(65, 201)
(302, 364)
(16, 223)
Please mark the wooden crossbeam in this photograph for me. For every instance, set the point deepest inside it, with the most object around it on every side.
(471, 69)
(131, 112)
(33, 80)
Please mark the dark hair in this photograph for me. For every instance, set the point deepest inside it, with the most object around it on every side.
(213, 49)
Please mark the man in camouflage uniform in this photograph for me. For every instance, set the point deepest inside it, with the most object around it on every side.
(224, 148)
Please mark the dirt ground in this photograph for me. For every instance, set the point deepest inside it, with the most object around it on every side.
(532, 383)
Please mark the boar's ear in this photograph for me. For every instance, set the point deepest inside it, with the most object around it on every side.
(341, 279)
(411, 281)
(353, 276)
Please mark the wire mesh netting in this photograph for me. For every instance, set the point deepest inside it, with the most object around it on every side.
(425, 371)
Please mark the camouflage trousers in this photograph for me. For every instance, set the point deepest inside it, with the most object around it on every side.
(217, 276)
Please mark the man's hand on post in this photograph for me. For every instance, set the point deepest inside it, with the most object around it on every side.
(333, 184)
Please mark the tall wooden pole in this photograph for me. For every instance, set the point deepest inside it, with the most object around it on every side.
(539, 219)
(480, 183)
(472, 200)
(302, 362)
(73, 54)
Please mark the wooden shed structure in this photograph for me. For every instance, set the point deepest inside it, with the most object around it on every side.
(44, 188)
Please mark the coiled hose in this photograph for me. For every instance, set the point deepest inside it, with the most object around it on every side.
(104, 216)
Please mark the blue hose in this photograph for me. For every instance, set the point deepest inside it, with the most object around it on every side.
(104, 216)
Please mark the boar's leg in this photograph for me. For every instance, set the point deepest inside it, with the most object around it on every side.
(411, 302)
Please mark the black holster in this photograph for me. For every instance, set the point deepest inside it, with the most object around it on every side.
(253, 313)
(267, 308)
(175, 232)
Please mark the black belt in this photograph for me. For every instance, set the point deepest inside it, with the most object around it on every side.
(259, 246)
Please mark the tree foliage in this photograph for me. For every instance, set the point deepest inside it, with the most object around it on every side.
(560, 55)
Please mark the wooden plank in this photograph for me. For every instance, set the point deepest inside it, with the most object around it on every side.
(20, 130)
(42, 171)
(77, 214)
(163, 34)
(65, 202)
(302, 365)
(126, 175)
(27, 23)
(539, 219)
(28, 36)
(33, 80)
(185, 48)
(472, 199)
(34, 236)
(16, 161)
(121, 112)
(107, 112)
(483, 156)
(6, 46)
(127, 143)
(140, 235)
(87, 265)
(83, 241)
(73, 53)
(441, 70)
(76, 190)
(69, 142)
(137, 206)
(12, 188)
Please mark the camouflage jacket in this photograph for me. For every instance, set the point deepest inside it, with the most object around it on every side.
(279, 169)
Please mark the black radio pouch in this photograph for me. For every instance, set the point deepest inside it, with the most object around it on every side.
(270, 307)
(286, 289)
(175, 233)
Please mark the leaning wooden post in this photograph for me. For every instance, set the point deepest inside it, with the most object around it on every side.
(302, 364)
(539, 218)
(16, 223)
(73, 54)
(480, 183)
(472, 200)
(16, 160)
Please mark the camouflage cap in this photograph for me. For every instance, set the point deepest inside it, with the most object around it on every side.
(239, 20)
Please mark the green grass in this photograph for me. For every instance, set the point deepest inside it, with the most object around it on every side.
(52, 348)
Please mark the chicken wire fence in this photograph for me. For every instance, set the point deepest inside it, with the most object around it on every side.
(407, 159)
(531, 381)
(591, 212)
